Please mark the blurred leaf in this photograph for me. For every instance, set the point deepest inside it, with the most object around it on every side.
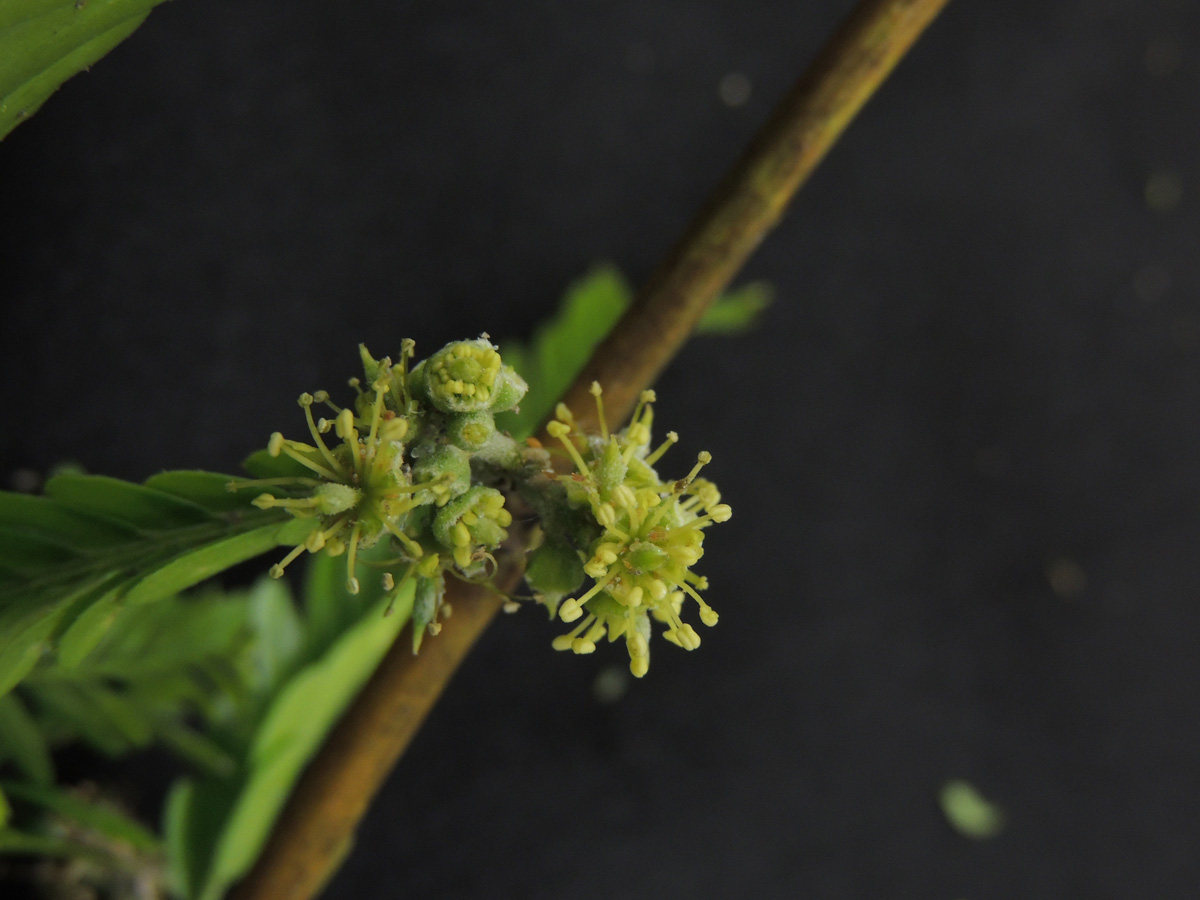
(280, 633)
(193, 566)
(216, 826)
(45, 42)
(561, 346)
(5, 811)
(155, 668)
(968, 812)
(72, 560)
(100, 817)
(21, 843)
(737, 311)
(22, 742)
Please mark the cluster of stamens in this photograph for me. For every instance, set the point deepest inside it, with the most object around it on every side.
(652, 533)
(463, 376)
(392, 456)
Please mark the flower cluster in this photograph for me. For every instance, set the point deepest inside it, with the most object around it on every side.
(416, 465)
(645, 534)
(396, 466)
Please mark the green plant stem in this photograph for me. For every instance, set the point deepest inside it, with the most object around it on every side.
(317, 825)
(749, 202)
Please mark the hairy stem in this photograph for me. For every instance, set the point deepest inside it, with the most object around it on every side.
(318, 823)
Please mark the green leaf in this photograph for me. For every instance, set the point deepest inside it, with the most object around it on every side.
(72, 560)
(207, 489)
(193, 566)
(45, 42)
(43, 516)
(561, 346)
(21, 843)
(737, 311)
(102, 818)
(968, 812)
(279, 632)
(5, 811)
(124, 502)
(89, 628)
(22, 742)
(28, 621)
(71, 707)
(216, 826)
(262, 464)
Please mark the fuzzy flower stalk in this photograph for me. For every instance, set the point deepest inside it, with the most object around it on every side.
(633, 534)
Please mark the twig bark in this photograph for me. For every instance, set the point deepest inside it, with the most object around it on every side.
(316, 827)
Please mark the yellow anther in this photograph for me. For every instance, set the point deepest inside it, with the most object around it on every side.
(624, 497)
(638, 434)
(462, 536)
(345, 425)
(606, 515)
(275, 444)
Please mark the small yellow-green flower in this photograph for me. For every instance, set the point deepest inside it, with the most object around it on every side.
(652, 533)
(395, 472)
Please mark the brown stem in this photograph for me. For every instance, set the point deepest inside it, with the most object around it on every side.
(750, 201)
(316, 827)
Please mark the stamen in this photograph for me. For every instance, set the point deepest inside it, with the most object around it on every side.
(563, 414)
(413, 548)
(703, 458)
(564, 641)
(596, 392)
(643, 399)
(276, 571)
(351, 581)
(572, 608)
(235, 486)
(376, 411)
(306, 402)
(561, 434)
(308, 463)
(349, 435)
(654, 457)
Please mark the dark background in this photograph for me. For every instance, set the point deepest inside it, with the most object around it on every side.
(963, 450)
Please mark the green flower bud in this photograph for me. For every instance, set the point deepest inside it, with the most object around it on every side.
(427, 601)
(470, 431)
(512, 388)
(448, 470)
(332, 498)
(476, 519)
(554, 570)
(462, 376)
